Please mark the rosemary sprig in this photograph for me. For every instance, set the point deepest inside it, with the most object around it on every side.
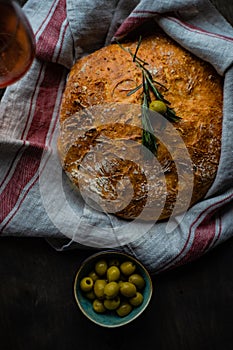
(149, 85)
(148, 137)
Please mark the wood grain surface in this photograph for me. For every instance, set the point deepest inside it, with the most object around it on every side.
(191, 307)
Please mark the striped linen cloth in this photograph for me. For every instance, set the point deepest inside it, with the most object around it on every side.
(35, 197)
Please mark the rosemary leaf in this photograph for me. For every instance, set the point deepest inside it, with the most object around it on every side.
(171, 115)
(158, 83)
(131, 92)
(136, 51)
(146, 89)
(148, 137)
(142, 62)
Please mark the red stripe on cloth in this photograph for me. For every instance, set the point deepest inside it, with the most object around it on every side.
(23, 197)
(27, 166)
(62, 39)
(133, 22)
(47, 42)
(29, 163)
(45, 104)
(209, 211)
(31, 102)
(204, 236)
(55, 21)
(129, 25)
(149, 12)
(45, 19)
(219, 231)
(199, 30)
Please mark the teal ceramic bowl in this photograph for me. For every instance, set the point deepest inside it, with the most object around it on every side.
(110, 319)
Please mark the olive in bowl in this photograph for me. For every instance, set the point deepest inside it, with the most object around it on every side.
(112, 288)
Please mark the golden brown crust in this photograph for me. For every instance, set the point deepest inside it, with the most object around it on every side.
(104, 78)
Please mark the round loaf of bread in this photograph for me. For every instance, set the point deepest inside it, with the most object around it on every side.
(100, 142)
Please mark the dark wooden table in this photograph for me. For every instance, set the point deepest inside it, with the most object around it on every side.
(191, 308)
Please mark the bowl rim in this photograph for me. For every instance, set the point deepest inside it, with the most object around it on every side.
(123, 254)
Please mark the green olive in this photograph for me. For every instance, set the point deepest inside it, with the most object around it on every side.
(86, 284)
(124, 309)
(127, 267)
(136, 300)
(99, 286)
(158, 106)
(137, 280)
(111, 290)
(112, 304)
(113, 273)
(93, 275)
(101, 267)
(98, 306)
(128, 289)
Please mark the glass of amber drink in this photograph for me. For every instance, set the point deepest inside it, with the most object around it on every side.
(17, 43)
